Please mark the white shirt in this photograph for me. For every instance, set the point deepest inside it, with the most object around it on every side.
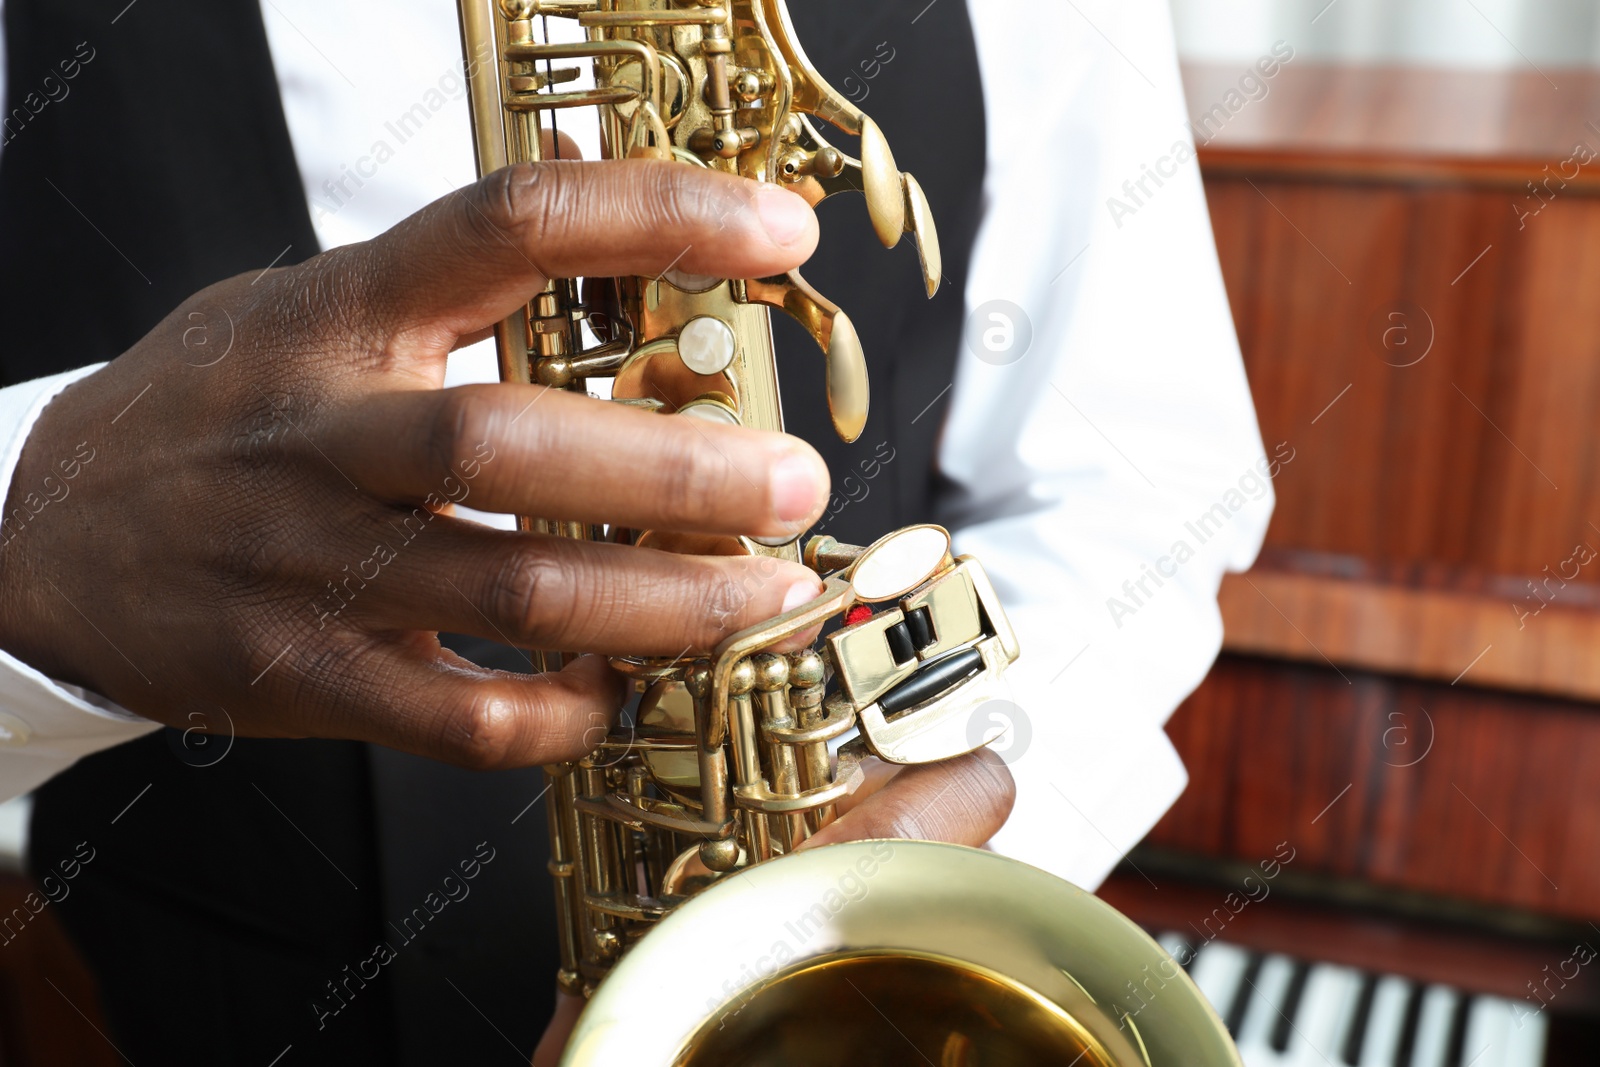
(1081, 467)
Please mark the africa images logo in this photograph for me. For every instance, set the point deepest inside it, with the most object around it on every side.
(1003, 726)
(998, 332)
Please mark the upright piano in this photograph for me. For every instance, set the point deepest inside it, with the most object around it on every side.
(1408, 704)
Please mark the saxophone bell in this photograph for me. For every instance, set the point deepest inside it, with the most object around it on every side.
(853, 952)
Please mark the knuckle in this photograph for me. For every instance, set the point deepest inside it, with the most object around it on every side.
(533, 595)
(724, 601)
(464, 418)
(492, 203)
(253, 558)
(258, 436)
(484, 735)
(514, 199)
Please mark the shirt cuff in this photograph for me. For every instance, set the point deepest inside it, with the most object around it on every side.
(46, 726)
(1082, 806)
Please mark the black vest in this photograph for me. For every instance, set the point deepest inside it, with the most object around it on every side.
(233, 907)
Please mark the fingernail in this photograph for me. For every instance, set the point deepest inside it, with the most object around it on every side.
(796, 487)
(802, 592)
(783, 214)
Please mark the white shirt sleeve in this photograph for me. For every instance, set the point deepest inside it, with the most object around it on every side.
(45, 726)
(1101, 447)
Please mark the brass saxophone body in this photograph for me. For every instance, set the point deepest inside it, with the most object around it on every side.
(729, 760)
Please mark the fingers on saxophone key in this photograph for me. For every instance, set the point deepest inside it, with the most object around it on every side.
(470, 259)
(964, 800)
(530, 451)
(534, 591)
(638, 217)
(489, 721)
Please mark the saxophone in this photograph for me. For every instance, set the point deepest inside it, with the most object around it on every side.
(683, 825)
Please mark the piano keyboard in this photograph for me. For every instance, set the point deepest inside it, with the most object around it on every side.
(1285, 1012)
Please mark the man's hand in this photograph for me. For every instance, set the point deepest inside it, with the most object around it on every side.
(256, 514)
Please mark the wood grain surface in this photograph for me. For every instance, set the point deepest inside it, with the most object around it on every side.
(1412, 669)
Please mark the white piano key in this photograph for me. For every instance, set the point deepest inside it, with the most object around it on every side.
(1174, 945)
(1525, 1037)
(1385, 1023)
(1433, 1027)
(1266, 1008)
(1327, 1008)
(1218, 971)
(1488, 1033)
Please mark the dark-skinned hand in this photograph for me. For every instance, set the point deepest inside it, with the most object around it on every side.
(266, 531)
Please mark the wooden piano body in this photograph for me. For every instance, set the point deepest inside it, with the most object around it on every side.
(1409, 695)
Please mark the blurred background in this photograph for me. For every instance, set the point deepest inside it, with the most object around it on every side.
(1408, 216)
(1470, 34)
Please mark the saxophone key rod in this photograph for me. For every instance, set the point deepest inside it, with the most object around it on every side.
(806, 673)
(742, 737)
(772, 693)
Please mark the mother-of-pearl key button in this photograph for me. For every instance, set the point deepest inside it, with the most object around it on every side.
(706, 345)
(897, 563)
(692, 283)
(713, 407)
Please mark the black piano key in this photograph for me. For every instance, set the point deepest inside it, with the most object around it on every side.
(1186, 955)
(1351, 1053)
(1283, 1025)
(1456, 1051)
(1408, 1027)
(1241, 998)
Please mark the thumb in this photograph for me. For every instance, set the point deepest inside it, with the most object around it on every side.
(964, 800)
